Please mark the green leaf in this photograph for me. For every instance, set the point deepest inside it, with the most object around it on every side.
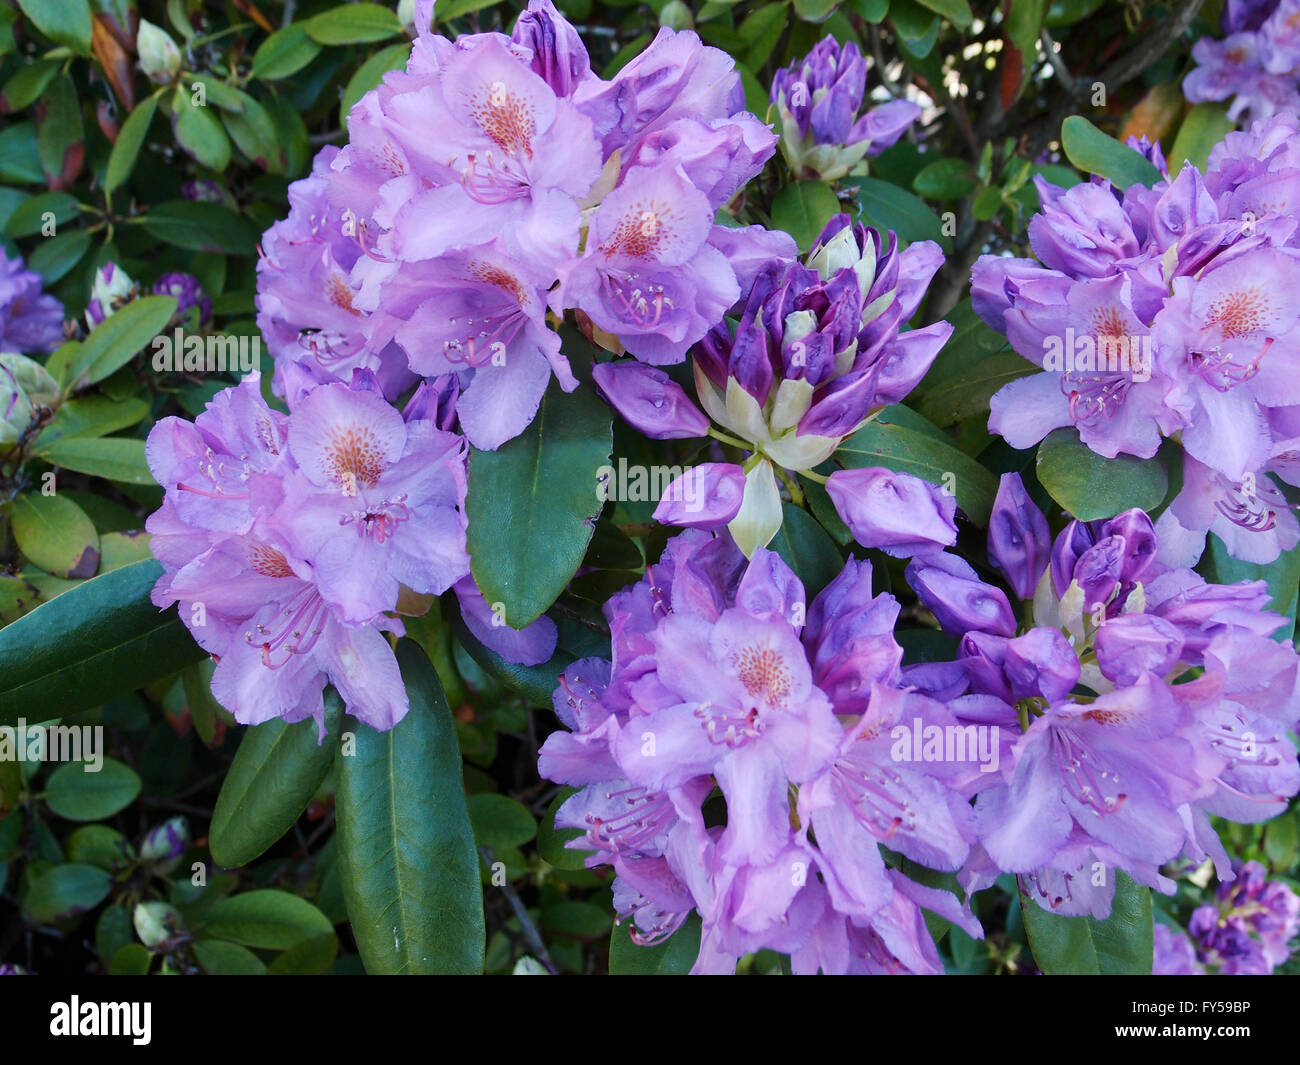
(456, 8)
(197, 683)
(75, 792)
(311, 957)
(923, 455)
(369, 75)
(276, 771)
(673, 957)
(760, 33)
(1204, 127)
(966, 393)
(115, 341)
(114, 458)
(55, 535)
(284, 53)
(219, 958)
(201, 226)
(1083, 946)
(817, 11)
(60, 136)
(66, 891)
(955, 11)
(533, 501)
(1024, 23)
(987, 204)
(93, 415)
(1091, 150)
(406, 849)
(34, 213)
(499, 821)
(255, 135)
(353, 24)
(27, 84)
(53, 258)
(95, 642)
(1092, 487)
(20, 160)
(807, 549)
(917, 28)
(886, 206)
(198, 130)
(802, 209)
(267, 920)
(207, 89)
(66, 22)
(945, 179)
(132, 959)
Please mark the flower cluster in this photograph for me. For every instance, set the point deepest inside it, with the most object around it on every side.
(498, 178)
(818, 100)
(288, 540)
(721, 674)
(1167, 311)
(1137, 701)
(816, 352)
(1247, 931)
(31, 321)
(1257, 63)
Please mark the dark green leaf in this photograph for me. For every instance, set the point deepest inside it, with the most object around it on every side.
(886, 206)
(276, 771)
(353, 24)
(66, 891)
(673, 957)
(200, 226)
(114, 458)
(1090, 486)
(267, 919)
(62, 21)
(499, 821)
(284, 53)
(98, 641)
(533, 501)
(406, 849)
(802, 209)
(115, 341)
(1084, 946)
(55, 534)
(807, 549)
(1091, 150)
(75, 792)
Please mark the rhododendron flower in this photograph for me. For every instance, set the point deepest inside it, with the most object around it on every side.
(721, 673)
(818, 100)
(496, 177)
(1167, 312)
(30, 320)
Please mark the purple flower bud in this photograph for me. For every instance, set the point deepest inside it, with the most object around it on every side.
(1072, 542)
(704, 497)
(849, 635)
(188, 292)
(1083, 232)
(650, 400)
(952, 591)
(434, 401)
(559, 57)
(984, 657)
(1139, 535)
(1042, 663)
(896, 512)
(1020, 542)
(166, 842)
(1098, 571)
(1132, 644)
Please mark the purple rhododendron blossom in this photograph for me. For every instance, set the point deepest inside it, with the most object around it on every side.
(497, 179)
(286, 539)
(721, 673)
(1255, 65)
(31, 321)
(1165, 312)
(1147, 700)
(818, 100)
(1248, 930)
